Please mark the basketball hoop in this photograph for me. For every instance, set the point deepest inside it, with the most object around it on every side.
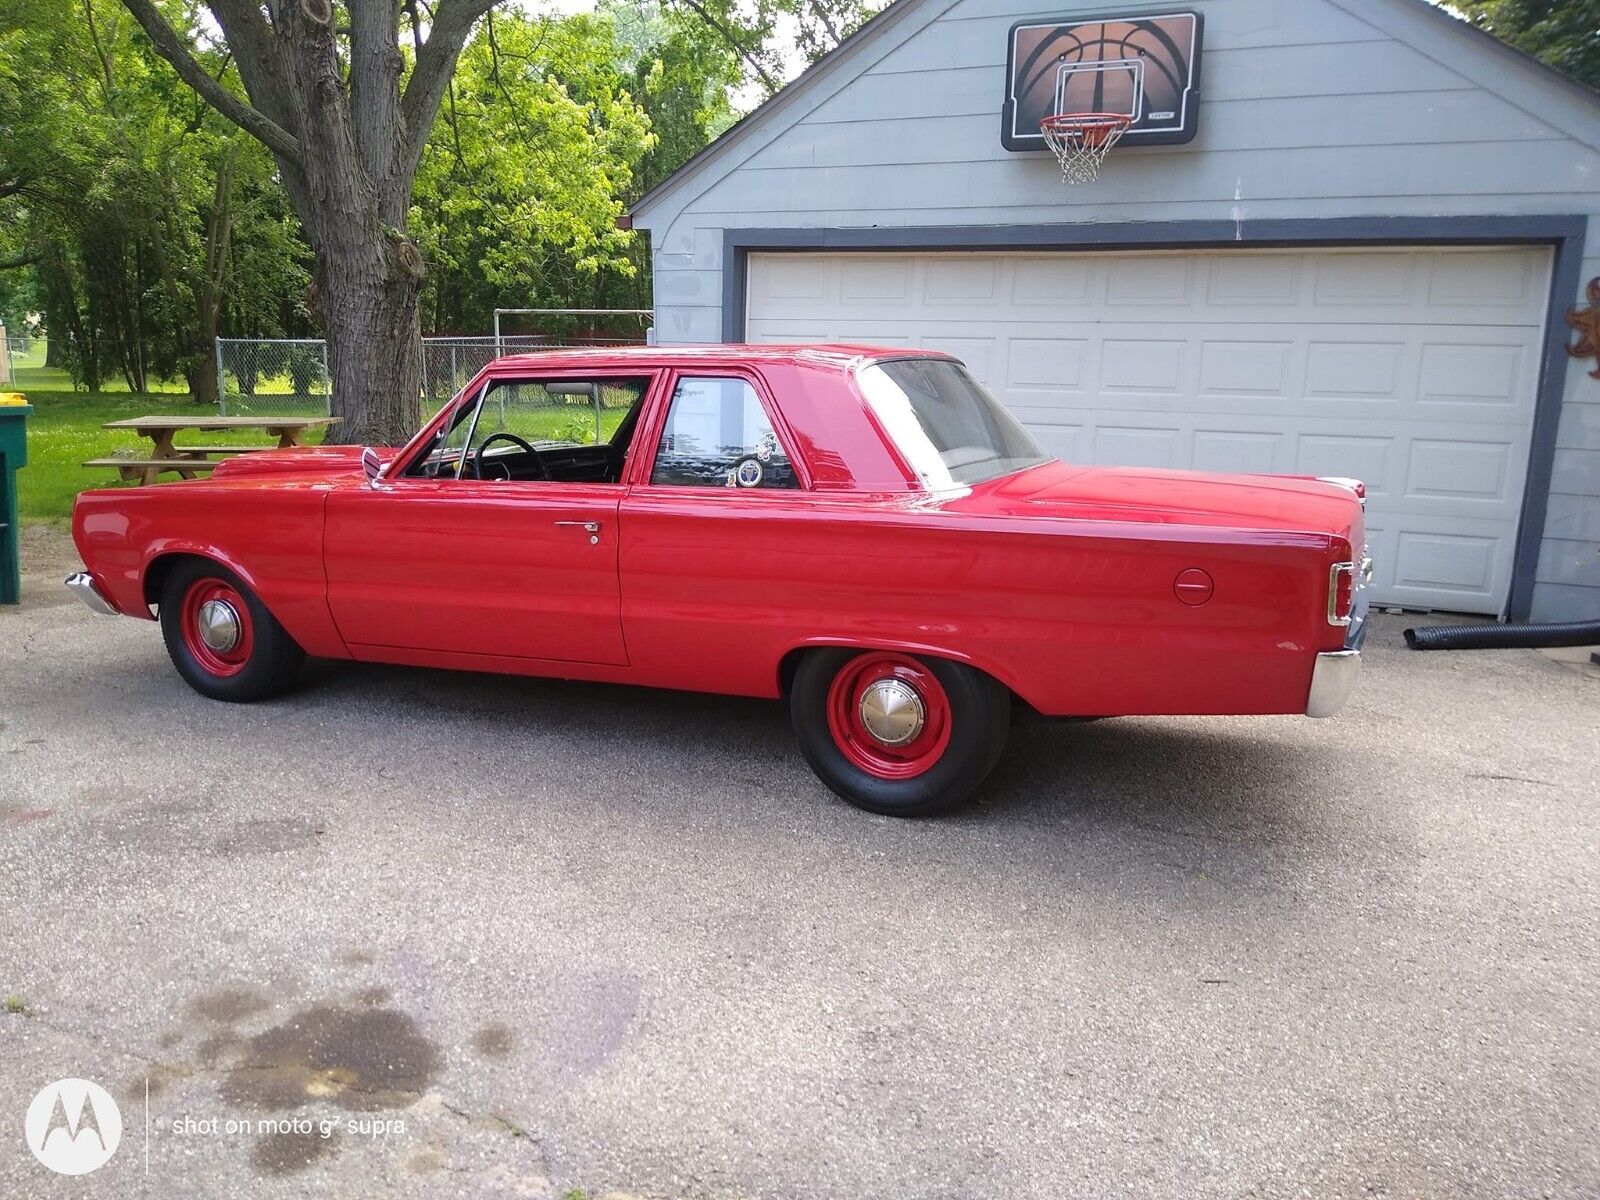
(1081, 141)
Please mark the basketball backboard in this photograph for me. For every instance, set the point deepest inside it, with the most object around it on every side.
(1146, 67)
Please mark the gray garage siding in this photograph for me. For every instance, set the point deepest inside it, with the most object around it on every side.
(1310, 109)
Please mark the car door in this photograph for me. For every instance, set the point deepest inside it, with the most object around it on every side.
(722, 537)
(461, 566)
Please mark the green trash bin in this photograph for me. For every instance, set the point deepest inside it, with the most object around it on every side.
(13, 457)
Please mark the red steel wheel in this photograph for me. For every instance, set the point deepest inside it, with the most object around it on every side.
(216, 625)
(894, 733)
(889, 715)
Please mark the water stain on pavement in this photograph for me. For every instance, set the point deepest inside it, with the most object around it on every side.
(286, 1153)
(372, 997)
(493, 1041)
(361, 1059)
(226, 1006)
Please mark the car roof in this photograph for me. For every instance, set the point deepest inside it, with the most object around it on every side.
(841, 356)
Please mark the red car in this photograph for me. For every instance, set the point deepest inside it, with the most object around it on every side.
(863, 531)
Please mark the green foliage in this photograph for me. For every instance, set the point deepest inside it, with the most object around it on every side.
(147, 216)
(1563, 33)
(683, 74)
(522, 182)
(758, 32)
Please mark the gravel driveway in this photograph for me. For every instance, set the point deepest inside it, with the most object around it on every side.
(415, 933)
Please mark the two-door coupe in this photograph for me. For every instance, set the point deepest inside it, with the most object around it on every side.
(864, 531)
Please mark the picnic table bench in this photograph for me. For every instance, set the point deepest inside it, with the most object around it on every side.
(189, 461)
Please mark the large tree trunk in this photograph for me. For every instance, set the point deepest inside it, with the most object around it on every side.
(368, 300)
(347, 139)
(201, 377)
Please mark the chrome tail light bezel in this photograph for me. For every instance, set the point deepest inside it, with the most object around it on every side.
(1338, 569)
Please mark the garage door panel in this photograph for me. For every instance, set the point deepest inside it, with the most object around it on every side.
(1243, 451)
(1465, 565)
(1483, 377)
(1413, 369)
(1136, 447)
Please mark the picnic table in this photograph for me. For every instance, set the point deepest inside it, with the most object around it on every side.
(188, 461)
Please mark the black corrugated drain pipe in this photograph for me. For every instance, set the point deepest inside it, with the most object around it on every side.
(1504, 637)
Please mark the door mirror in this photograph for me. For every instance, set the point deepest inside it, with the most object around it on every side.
(371, 463)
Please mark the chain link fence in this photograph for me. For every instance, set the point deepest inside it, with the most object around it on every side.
(288, 377)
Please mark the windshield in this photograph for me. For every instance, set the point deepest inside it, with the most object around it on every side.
(951, 431)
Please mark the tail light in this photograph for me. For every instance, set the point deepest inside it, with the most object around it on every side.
(1341, 592)
(1355, 485)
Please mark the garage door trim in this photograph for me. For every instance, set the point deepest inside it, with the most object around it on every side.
(1564, 234)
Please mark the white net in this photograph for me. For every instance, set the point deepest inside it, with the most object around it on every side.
(1081, 141)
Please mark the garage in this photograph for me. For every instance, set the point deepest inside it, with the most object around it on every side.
(1333, 237)
(1414, 370)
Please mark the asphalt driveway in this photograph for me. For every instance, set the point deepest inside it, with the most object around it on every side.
(414, 933)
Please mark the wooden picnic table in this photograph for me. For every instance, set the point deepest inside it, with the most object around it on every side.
(188, 461)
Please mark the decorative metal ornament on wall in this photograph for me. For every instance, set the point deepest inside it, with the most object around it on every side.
(1587, 322)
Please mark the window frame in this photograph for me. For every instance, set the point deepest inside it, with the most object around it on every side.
(645, 465)
(475, 392)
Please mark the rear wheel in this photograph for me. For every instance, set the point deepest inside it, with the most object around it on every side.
(896, 734)
(222, 639)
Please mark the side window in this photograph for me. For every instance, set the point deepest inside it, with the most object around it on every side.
(717, 435)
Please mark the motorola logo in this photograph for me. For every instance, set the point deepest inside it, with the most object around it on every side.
(73, 1126)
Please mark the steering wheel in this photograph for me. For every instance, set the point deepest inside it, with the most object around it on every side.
(540, 470)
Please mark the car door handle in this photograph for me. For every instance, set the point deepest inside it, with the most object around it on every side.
(586, 526)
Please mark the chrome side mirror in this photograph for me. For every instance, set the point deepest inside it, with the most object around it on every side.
(371, 464)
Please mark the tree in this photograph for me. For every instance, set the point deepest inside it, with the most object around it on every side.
(521, 185)
(346, 123)
(752, 30)
(135, 206)
(1563, 33)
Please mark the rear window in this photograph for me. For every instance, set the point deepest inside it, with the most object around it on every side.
(949, 428)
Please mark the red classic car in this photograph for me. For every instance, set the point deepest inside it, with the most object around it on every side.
(863, 531)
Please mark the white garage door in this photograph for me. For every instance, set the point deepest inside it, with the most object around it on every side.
(1414, 370)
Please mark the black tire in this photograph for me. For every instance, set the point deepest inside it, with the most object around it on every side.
(979, 716)
(266, 665)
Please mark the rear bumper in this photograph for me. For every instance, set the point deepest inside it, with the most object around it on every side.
(81, 584)
(1332, 680)
(1336, 671)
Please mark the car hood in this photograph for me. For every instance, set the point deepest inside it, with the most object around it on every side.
(299, 461)
(1157, 496)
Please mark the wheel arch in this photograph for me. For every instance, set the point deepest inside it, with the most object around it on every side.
(161, 565)
(789, 661)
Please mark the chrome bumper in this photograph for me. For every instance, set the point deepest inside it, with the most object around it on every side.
(1335, 674)
(81, 585)
(1332, 680)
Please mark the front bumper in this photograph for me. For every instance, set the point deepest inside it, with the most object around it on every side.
(81, 584)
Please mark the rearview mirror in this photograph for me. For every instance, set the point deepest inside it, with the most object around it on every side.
(591, 390)
(371, 463)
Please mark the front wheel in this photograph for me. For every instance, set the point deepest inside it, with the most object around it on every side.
(222, 639)
(897, 734)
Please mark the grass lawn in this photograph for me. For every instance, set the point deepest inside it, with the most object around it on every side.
(64, 431)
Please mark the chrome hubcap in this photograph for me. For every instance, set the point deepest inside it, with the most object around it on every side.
(219, 626)
(892, 712)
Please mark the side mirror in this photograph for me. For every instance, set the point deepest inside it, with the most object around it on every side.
(371, 463)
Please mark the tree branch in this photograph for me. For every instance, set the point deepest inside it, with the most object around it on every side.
(167, 43)
(436, 63)
(25, 258)
(734, 44)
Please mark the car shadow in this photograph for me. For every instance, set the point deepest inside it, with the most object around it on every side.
(1236, 781)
